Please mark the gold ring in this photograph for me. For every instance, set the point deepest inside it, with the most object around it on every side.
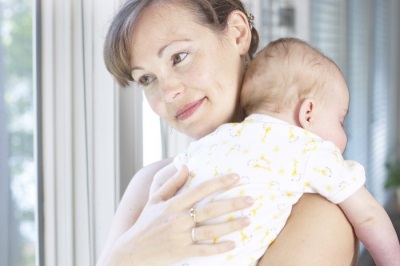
(192, 213)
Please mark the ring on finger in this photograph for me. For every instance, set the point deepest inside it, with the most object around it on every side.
(194, 240)
(192, 213)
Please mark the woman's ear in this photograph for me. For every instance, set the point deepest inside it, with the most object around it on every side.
(239, 30)
(306, 113)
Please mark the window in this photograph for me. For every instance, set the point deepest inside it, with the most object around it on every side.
(280, 18)
(359, 42)
(369, 60)
(328, 29)
(152, 145)
(18, 166)
(379, 125)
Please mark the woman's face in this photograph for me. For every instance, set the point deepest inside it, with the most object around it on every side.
(190, 75)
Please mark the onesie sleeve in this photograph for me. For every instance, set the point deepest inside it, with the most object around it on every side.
(327, 173)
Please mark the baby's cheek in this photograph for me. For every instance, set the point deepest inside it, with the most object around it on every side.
(342, 142)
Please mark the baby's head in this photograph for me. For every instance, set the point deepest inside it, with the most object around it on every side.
(295, 82)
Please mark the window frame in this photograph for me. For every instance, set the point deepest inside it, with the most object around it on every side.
(38, 140)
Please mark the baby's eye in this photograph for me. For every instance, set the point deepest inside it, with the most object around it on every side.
(179, 57)
(145, 80)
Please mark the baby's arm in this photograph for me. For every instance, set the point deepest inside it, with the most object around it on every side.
(373, 227)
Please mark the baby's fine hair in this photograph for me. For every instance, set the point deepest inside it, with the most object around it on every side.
(285, 72)
(118, 46)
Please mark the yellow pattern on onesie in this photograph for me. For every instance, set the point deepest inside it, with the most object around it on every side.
(277, 163)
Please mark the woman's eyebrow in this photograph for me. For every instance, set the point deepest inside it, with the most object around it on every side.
(135, 68)
(161, 51)
(159, 54)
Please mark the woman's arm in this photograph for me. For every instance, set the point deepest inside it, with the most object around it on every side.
(131, 205)
(316, 233)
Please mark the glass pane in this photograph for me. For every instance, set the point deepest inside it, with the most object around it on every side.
(152, 146)
(17, 125)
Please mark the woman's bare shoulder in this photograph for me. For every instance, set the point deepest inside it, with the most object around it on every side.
(149, 171)
(316, 233)
(139, 186)
(138, 189)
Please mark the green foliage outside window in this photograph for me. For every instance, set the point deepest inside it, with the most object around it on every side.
(17, 125)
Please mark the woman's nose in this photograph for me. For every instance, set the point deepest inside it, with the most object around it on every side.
(172, 88)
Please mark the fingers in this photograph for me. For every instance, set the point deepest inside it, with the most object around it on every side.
(189, 198)
(214, 231)
(201, 250)
(172, 185)
(218, 208)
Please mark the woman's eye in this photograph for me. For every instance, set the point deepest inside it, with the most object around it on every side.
(145, 80)
(179, 57)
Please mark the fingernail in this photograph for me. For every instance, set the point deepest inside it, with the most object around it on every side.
(249, 200)
(246, 221)
(234, 178)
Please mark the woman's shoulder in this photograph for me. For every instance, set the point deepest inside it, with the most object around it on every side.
(148, 171)
(139, 186)
(317, 233)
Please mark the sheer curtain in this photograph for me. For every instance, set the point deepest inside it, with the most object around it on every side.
(379, 126)
(359, 62)
(80, 131)
(358, 35)
(369, 44)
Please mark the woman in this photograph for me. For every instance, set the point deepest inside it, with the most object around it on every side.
(189, 56)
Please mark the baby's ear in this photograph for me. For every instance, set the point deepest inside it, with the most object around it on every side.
(306, 113)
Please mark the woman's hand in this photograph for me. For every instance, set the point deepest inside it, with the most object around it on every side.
(163, 232)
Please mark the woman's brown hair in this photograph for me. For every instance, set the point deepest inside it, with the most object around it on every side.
(117, 47)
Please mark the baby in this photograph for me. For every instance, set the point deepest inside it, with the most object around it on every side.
(290, 143)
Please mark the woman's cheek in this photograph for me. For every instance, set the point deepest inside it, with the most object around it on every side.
(155, 102)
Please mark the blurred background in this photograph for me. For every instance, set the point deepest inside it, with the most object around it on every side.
(71, 140)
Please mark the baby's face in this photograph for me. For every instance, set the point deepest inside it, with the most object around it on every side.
(328, 121)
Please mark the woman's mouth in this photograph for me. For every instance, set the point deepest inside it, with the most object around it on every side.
(189, 109)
